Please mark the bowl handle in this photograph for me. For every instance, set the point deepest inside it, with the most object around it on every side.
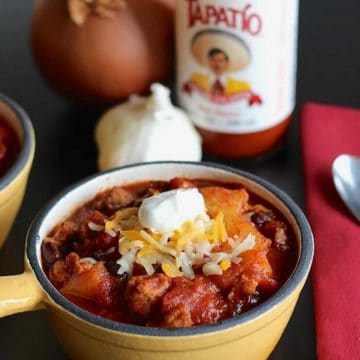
(20, 293)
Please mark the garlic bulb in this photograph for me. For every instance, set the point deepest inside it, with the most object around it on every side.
(146, 129)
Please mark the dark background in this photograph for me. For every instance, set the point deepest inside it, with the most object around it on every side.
(328, 71)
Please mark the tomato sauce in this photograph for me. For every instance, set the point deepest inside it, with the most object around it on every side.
(83, 259)
(9, 146)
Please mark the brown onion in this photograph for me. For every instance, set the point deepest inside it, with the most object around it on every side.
(106, 58)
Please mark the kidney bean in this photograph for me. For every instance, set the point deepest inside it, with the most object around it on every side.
(261, 217)
(105, 241)
(275, 230)
(112, 267)
(50, 251)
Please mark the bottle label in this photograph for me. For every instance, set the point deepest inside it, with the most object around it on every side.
(236, 62)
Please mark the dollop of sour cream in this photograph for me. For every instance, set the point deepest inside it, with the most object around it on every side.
(168, 210)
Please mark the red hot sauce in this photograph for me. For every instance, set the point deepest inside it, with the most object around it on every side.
(236, 67)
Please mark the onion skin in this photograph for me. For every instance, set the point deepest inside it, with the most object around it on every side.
(106, 59)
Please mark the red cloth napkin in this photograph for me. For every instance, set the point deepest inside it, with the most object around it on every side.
(328, 131)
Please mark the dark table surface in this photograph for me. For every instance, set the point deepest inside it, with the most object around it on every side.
(328, 71)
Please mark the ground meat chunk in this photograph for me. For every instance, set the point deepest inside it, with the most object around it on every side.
(201, 298)
(59, 243)
(64, 231)
(93, 283)
(74, 265)
(95, 217)
(181, 183)
(257, 273)
(62, 270)
(178, 317)
(144, 291)
(118, 198)
(228, 278)
(58, 273)
(156, 187)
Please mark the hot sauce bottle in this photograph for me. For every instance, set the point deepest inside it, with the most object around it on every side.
(236, 71)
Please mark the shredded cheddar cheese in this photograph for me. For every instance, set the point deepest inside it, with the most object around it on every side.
(225, 264)
(170, 270)
(220, 233)
(119, 216)
(177, 252)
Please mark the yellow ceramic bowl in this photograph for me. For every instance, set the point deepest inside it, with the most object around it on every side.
(251, 336)
(13, 183)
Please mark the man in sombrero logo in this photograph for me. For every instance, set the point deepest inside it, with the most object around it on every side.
(222, 53)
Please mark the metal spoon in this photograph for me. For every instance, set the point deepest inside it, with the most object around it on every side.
(346, 176)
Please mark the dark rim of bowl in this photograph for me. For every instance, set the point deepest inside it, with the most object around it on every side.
(26, 145)
(300, 272)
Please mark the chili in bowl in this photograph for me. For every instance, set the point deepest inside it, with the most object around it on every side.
(167, 260)
(173, 254)
(9, 146)
(17, 146)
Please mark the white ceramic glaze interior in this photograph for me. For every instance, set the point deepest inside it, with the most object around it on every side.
(157, 171)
